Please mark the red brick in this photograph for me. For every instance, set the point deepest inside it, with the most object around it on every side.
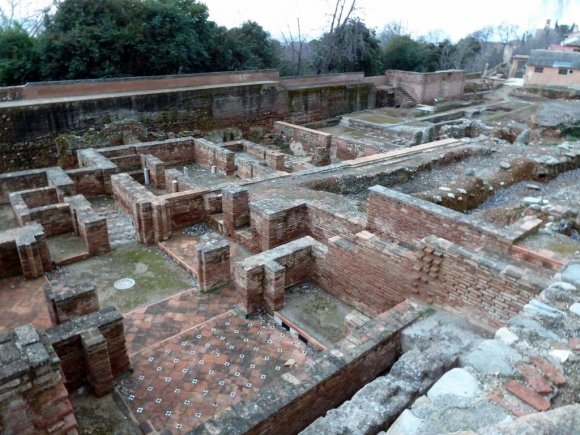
(527, 395)
(549, 371)
(538, 383)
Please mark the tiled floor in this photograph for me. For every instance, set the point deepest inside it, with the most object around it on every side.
(22, 301)
(148, 325)
(185, 380)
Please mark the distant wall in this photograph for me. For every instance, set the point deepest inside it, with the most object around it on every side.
(426, 87)
(204, 102)
(132, 84)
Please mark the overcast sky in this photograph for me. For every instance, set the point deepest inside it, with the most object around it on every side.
(455, 18)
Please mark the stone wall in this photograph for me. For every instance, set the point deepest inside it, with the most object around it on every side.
(427, 87)
(292, 403)
(33, 399)
(131, 84)
(30, 129)
(303, 141)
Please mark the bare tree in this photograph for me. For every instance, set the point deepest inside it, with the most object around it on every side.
(392, 30)
(295, 46)
(343, 11)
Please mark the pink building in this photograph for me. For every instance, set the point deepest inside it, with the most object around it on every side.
(553, 68)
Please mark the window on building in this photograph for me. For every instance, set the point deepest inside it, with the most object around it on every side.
(539, 69)
(563, 71)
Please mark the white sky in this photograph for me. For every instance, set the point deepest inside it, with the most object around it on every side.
(456, 18)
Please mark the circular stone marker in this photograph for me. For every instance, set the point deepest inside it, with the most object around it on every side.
(124, 283)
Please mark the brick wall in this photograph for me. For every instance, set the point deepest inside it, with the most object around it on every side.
(184, 208)
(208, 154)
(90, 182)
(69, 301)
(426, 87)
(261, 279)
(304, 140)
(322, 224)
(275, 222)
(17, 181)
(398, 216)
(33, 399)
(80, 349)
(156, 170)
(236, 209)
(290, 404)
(493, 288)
(386, 268)
(91, 227)
(55, 219)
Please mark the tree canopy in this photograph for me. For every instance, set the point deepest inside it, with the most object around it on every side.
(82, 39)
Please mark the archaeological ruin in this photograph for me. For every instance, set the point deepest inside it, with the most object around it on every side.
(240, 252)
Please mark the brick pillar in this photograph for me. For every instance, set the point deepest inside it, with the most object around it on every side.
(248, 281)
(161, 221)
(30, 259)
(213, 262)
(96, 236)
(275, 160)
(274, 280)
(99, 375)
(236, 209)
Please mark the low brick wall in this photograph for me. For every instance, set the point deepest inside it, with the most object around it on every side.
(456, 277)
(290, 404)
(92, 350)
(91, 227)
(69, 301)
(275, 222)
(208, 154)
(33, 399)
(261, 279)
(304, 140)
(23, 250)
(398, 216)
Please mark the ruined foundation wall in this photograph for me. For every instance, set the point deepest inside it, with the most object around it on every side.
(469, 281)
(398, 216)
(92, 350)
(292, 403)
(426, 87)
(33, 399)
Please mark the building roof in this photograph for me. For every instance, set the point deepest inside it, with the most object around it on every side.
(555, 59)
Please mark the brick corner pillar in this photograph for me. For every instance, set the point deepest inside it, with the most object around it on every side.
(96, 235)
(236, 209)
(274, 282)
(275, 160)
(213, 262)
(248, 280)
(99, 373)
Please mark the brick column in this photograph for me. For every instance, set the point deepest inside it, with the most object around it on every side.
(99, 375)
(274, 281)
(213, 262)
(248, 281)
(275, 160)
(236, 209)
